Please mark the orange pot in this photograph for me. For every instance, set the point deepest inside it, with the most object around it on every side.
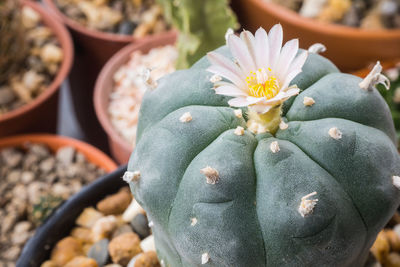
(55, 142)
(41, 113)
(93, 49)
(349, 48)
(385, 65)
(120, 148)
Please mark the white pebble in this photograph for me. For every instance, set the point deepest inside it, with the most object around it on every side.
(148, 244)
(396, 181)
(133, 209)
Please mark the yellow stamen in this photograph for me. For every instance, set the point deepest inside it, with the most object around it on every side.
(269, 89)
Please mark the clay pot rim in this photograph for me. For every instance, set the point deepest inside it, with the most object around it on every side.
(119, 58)
(96, 34)
(92, 154)
(286, 15)
(65, 41)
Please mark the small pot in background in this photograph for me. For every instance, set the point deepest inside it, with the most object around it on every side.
(349, 48)
(40, 115)
(119, 147)
(93, 50)
(38, 248)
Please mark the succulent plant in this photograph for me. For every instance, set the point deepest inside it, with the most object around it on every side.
(13, 47)
(201, 24)
(44, 208)
(269, 180)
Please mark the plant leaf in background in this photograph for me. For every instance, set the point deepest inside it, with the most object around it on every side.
(202, 25)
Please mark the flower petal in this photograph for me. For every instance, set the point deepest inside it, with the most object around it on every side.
(295, 68)
(261, 108)
(262, 48)
(283, 95)
(286, 57)
(248, 38)
(229, 90)
(253, 100)
(226, 68)
(240, 51)
(238, 102)
(275, 38)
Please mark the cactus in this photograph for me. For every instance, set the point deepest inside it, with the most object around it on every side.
(13, 46)
(44, 208)
(314, 191)
(201, 24)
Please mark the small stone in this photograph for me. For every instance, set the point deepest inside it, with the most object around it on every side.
(186, 117)
(112, 265)
(66, 155)
(238, 113)
(81, 261)
(394, 239)
(61, 190)
(283, 125)
(147, 259)
(115, 204)
(65, 250)
(122, 230)
(212, 175)
(88, 217)
(308, 101)
(99, 252)
(21, 233)
(335, 133)
(392, 260)
(47, 165)
(30, 18)
(27, 177)
(39, 150)
(126, 27)
(274, 146)
(82, 234)
(239, 131)
(14, 176)
(7, 96)
(51, 53)
(205, 258)
(32, 80)
(124, 247)
(11, 157)
(12, 253)
(380, 249)
(48, 264)
(148, 244)
(140, 225)
(133, 209)
(103, 227)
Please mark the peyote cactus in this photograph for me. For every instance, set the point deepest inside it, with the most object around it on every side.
(305, 182)
(13, 47)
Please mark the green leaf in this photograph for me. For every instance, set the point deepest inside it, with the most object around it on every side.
(202, 25)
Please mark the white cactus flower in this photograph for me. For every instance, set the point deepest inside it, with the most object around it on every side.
(262, 71)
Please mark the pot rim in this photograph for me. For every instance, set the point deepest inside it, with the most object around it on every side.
(54, 142)
(120, 58)
(65, 41)
(289, 16)
(96, 34)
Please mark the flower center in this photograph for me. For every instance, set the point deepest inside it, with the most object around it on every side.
(262, 84)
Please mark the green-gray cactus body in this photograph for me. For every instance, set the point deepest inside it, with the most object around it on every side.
(342, 147)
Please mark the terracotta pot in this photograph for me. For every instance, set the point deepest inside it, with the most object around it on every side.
(385, 65)
(119, 147)
(58, 226)
(93, 50)
(41, 113)
(349, 48)
(55, 142)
